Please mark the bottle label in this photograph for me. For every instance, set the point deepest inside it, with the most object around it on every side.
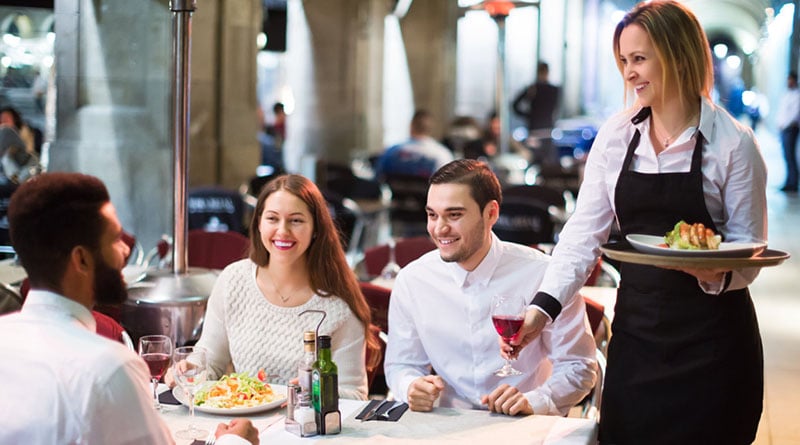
(316, 394)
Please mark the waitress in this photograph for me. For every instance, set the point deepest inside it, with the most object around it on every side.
(685, 363)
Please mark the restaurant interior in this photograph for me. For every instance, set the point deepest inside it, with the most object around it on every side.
(173, 109)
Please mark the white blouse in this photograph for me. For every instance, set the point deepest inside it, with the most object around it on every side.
(734, 187)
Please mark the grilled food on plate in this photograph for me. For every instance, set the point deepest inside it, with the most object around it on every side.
(692, 237)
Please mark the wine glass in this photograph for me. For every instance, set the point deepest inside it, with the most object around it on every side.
(508, 314)
(390, 270)
(156, 351)
(190, 372)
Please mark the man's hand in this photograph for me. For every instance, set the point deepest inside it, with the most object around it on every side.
(424, 391)
(508, 400)
(535, 322)
(241, 427)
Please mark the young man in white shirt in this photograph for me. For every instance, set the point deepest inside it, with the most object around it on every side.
(61, 383)
(440, 312)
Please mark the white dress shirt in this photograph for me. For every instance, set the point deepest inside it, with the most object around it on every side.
(61, 383)
(439, 316)
(734, 188)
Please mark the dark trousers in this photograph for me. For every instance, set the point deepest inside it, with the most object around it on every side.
(789, 140)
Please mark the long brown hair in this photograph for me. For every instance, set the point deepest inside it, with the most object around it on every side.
(326, 262)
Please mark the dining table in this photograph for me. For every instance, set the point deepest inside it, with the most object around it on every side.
(440, 426)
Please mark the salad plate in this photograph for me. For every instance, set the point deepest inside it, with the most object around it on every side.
(655, 245)
(280, 392)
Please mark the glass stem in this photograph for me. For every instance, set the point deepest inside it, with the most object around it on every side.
(155, 393)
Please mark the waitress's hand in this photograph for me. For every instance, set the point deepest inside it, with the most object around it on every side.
(535, 322)
(714, 275)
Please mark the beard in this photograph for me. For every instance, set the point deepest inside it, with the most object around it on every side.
(471, 244)
(109, 287)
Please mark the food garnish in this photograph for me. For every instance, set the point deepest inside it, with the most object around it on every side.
(692, 237)
(236, 390)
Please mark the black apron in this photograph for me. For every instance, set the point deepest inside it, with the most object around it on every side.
(684, 367)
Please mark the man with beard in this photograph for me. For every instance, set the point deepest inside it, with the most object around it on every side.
(440, 307)
(60, 382)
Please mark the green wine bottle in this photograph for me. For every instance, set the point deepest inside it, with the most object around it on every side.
(325, 389)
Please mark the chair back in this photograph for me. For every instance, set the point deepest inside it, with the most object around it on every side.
(345, 213)
(215, 250)
(545, 195)
(6, 190)
(524, 223)
(378, 300)
(409, 197)
(215, 209)
(406, 251)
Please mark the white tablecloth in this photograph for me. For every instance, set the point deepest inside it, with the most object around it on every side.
(443, 425)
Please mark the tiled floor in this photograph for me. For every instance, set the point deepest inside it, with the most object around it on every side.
(777, 298)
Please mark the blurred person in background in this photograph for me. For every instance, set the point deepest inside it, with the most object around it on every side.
(788, 121)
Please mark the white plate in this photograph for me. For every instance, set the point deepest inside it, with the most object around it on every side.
(655, 245)
(279, 390)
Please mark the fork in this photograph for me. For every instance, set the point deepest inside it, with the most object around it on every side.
(374, 411)
(211, 439)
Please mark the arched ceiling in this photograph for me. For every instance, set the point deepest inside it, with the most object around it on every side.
(740, 20)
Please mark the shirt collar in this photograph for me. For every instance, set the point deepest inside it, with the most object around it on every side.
(483, 273)
(39, 301)
(707, 115)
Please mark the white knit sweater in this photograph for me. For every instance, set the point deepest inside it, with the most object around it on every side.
(244, 329)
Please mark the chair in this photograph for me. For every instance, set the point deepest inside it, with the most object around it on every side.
(347, 217)
(601, 330)
(406, 251)
(136, 254)
(6, 190)
(524, 223)
(211, 250)
(603, 274)
(215, 209)
(407, 207)
(378, 300)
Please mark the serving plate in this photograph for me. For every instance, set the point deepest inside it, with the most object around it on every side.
(279, 390)
(626, 253)
(656, 246)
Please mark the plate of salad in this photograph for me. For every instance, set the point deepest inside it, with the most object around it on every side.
(235, 394)
(656, 245)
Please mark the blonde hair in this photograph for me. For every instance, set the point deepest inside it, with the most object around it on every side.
(681, 46)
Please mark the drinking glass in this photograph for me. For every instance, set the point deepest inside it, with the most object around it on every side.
(190, 372)
(390, 270)
(508, 314)
(156, 351)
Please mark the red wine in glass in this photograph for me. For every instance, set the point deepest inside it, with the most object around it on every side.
(158, 364)
(156, 351)
(508, 315)
(507, 325)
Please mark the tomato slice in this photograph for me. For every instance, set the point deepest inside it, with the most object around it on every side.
(262, 375)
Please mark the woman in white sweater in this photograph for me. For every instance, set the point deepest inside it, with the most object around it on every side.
(296, 263)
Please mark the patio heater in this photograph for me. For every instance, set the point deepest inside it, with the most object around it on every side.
(163, 301)
(499, 10)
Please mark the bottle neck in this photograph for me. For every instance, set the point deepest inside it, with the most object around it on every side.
(324, 355)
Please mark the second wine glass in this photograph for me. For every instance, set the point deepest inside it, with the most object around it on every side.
(508, 314)
(156, 351)
(190, 372)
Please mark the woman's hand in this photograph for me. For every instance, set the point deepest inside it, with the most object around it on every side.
(706, 275)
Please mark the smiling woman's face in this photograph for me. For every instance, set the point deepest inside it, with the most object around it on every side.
(641, 66)
(286, 227)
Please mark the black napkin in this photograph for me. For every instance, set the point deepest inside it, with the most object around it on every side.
(394, 416)
(167, 398)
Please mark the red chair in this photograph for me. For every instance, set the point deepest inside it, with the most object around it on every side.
(211, 250)
(378, 300)
(406, 251)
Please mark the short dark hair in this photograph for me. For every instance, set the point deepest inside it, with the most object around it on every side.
(421, 122)
(278, 107)
(482, 182)
(15, 116)
(51, 214)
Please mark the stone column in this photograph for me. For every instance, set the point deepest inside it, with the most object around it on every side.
(335, 73)
(113, 65)
(429, 32)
